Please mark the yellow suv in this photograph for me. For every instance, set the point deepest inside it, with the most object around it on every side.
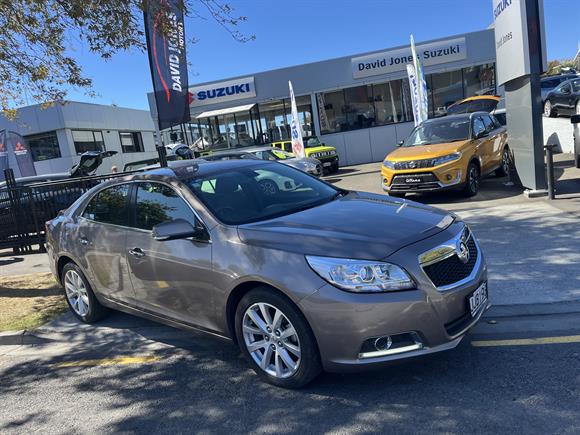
(452, 152)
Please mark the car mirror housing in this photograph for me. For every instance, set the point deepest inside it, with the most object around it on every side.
(178, 229)
(400, 143)
(575, 119)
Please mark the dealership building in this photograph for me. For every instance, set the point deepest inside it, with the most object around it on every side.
(359, 104)
(59, 134)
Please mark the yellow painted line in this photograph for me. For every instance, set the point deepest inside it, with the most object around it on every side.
(121, 360)
(528, 341)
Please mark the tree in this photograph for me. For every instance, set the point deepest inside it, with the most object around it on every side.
(39, 39)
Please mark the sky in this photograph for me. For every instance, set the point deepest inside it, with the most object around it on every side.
(294, 32)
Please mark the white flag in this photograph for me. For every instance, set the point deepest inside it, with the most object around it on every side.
(414, 86)
(295, 130)
(423, 97)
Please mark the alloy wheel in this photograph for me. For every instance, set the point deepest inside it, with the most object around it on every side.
(505, 161)
(473, 179)
(271, 340)
(76, 293)
(547, 108)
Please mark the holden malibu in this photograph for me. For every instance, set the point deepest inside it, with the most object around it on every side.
(302, 279)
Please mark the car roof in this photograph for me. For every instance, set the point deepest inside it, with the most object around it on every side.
(455, 117)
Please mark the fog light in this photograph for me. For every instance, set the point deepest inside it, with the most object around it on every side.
(390, 345)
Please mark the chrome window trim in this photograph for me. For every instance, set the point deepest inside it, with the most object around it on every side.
(448, 249)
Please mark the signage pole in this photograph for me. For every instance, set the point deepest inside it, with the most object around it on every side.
(521, 58)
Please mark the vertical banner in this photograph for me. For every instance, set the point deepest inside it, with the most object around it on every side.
(423, 95)
(21, 150)
(296, 131)
(3, 154)
(414, 93)
(165, 34)
(324, 125)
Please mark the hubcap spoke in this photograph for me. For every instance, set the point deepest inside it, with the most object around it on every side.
(293, 348)
(265, 314)
(258, 321)
(266, 358)
(288, 332)
(257, 345)
(288, 361)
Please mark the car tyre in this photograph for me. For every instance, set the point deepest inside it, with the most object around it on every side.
(549, 111)
(473, 179)
(79, 295)
(261, 341)
(333, 168)
(397, 194)
(504, 169)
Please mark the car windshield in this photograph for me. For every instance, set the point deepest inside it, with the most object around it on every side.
(313, 142)
(439, 131)
(274, 154)
(482, 105)
(251, 194)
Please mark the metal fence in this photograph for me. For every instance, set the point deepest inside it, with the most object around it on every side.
(24, 209)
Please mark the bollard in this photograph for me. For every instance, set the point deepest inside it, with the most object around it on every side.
(550, 162)
(162, 156)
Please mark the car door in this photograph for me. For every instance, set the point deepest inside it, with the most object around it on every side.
(100, 232)
(483, 145)
(494, 144)
(172, 279)
(561, 98)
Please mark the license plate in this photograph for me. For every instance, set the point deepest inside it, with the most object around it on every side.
(326, 164)
(478, 299)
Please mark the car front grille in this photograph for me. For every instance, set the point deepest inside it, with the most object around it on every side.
(414, 164)
(421, 181)
(451, 270)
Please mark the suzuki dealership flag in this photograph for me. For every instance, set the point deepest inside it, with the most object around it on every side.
(414, 93)
(17, 145)
(423, 96)
(3, 154)
(295, 130)
(166, 47)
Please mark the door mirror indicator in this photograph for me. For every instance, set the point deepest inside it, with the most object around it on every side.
(179, 229)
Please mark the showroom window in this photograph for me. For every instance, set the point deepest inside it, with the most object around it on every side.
(444, 89)
(333, 112)
(44, 146)
(360, 111)
(273, 120)
(392, 102)
(86, 140)
(479, 80)
(131, 141)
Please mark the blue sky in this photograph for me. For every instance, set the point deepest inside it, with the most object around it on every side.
(300, 31)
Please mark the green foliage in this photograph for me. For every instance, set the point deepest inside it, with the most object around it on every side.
(40, 41)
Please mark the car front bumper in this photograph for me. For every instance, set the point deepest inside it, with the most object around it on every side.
(447, 176)
(343, 322)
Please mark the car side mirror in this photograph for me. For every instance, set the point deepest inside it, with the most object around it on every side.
(400, 143)
(575, 119)
(480, 134)
(179, 229)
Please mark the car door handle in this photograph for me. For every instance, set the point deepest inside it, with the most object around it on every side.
(137, 252)
(84, 241)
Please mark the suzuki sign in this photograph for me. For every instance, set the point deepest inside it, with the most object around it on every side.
(386, 62)
(213, 93)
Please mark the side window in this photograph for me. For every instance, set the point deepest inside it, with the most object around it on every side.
(478, 126)
(157, 203)
(566, 89)
(109, 206)
(489, 125)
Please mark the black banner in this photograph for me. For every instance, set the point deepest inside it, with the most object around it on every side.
(17, 144)
(165, 34)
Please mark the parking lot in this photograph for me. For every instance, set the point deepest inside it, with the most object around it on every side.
(518, 371)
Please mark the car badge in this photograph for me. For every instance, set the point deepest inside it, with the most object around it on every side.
(462, 251)
(412, 165)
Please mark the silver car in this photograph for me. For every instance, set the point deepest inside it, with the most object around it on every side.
(307, 164)
(304, 278)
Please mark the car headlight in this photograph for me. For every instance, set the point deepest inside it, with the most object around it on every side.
(389, 164)
(445, 159)
(360, 276)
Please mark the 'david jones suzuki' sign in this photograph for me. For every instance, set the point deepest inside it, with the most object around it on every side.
(396, 60)
(213, 93)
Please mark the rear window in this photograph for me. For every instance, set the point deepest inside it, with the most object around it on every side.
(485, 105)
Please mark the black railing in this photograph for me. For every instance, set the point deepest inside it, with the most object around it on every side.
(24, 209)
